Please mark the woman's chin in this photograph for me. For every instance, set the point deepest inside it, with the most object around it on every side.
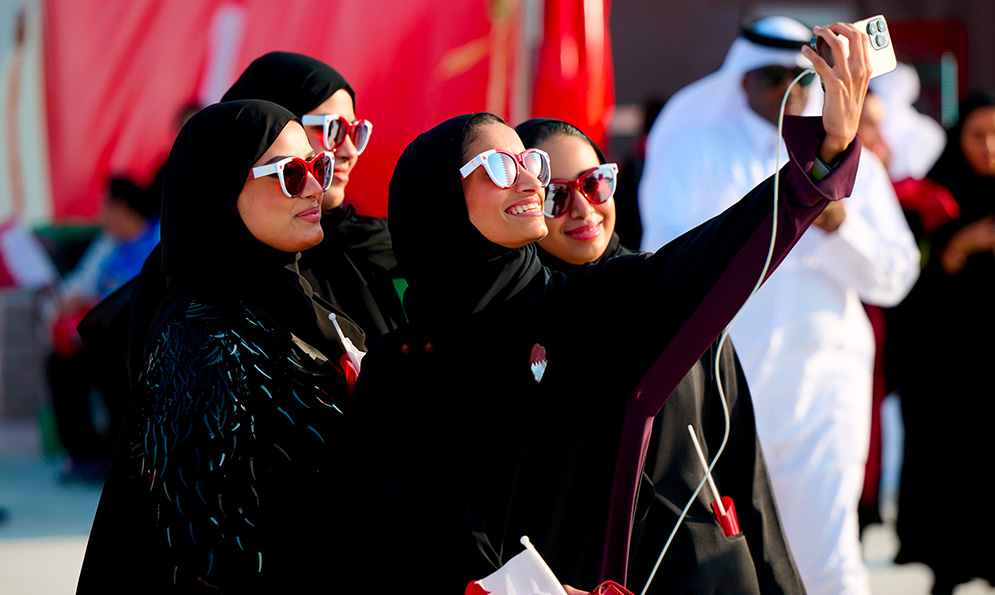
(306, 240)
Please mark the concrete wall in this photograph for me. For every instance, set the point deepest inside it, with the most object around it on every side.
(23, 348)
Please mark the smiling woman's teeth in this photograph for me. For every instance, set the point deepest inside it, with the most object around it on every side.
(519, 209)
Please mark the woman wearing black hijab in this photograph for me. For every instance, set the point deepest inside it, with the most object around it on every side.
(353, 267)
(222, 478)
(702, 559)
(939, 356)
(451, 404)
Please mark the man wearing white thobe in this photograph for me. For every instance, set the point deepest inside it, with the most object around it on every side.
(804, 339)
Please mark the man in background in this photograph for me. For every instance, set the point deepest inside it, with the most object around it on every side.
(805, 342)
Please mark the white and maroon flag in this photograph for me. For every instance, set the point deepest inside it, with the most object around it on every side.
(525, 574)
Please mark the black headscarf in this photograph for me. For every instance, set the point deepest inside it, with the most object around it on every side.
(974, 193)
(536, 131)
(204, 240)
(295, 81)
(450, 267)
(202, 232)
(354, 248)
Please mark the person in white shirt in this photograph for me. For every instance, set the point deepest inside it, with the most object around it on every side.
(805, 341)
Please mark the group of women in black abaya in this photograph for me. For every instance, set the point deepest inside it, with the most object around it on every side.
(517, 399)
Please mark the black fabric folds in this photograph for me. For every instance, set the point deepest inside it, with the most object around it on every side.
(354, 268)
(295, 81)
(451, 269)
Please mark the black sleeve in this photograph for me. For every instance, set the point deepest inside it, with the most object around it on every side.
(669, 306)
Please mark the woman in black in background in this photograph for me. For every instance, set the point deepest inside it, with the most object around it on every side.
(940, 353)
(701, 559)
(353, 267)
(450, 408)
(222, 480)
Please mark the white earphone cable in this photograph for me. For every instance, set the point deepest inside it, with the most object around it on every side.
(725, 334)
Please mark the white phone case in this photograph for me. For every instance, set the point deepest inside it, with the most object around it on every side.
(879, 46)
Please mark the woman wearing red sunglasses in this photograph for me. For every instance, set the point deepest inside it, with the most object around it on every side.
(579, 204)
(584, 201)
(222, 480)
(353, 267)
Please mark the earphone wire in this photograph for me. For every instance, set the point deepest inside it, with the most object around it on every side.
(725, 334)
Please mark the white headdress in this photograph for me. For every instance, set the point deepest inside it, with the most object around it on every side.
(916, 140)
(720, 95)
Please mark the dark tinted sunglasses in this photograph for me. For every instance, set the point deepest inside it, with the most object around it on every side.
(772, 76)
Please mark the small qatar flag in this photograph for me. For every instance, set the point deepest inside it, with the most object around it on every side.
(525, 574)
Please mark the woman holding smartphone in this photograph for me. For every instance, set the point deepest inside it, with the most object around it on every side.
(452, 403)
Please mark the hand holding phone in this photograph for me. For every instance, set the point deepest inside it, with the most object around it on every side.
(879, 47)
(845, 84)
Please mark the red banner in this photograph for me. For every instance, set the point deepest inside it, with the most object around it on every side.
(575, 79)
(117, 73)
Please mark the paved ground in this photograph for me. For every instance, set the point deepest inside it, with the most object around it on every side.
(44, 536)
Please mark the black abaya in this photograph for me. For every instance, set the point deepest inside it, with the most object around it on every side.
(463, 447)
(223, 476)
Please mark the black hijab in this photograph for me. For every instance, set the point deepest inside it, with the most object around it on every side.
(536, 131)
(450, 267)
(974, 193)
(297, 82)
(204, 240)
(202, 232)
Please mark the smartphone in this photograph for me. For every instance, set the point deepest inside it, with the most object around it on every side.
(879, 47)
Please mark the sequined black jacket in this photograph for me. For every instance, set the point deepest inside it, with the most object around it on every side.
(224, 475)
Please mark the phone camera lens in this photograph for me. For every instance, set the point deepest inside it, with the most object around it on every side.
(872, 28)
(880, 40)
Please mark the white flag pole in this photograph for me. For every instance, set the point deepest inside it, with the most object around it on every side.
(704, 465)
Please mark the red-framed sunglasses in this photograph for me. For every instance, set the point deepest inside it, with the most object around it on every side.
(335, 129)
(597, 185)
(502, 166)
(293, 172)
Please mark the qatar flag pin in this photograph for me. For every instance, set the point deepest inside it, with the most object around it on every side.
(538, 361)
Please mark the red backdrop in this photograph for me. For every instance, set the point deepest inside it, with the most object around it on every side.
(117, 73)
